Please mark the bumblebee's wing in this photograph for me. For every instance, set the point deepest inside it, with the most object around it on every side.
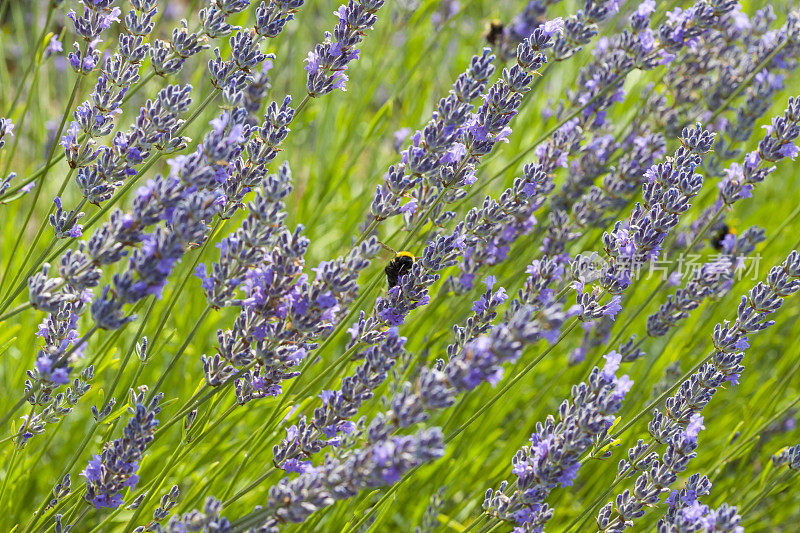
(391, 273)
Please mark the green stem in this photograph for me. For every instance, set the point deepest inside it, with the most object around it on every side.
(155, 486)
(40, 41)
(513, 381)
(12, 462)
(20, 308)
(180, 351)
(39, 187)
(785, 476)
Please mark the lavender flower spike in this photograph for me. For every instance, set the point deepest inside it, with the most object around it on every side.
(686, 514)
(789, 457)
(681, 421)
(6, 129)
(115, 468)
(377, 465)
(327, 63)
(436, 144)
(556, 447)
(333, 419)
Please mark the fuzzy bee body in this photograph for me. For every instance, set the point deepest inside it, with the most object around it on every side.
(719, 236)
(494, 32)
(400, 265)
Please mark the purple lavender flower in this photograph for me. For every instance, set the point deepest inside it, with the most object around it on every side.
(101, 172)
(61, 347)
(53, 47)
(436, 144)
(114, 469)
(686, 513)
(59, 331)
(553, 458)
(49, 374)
(709, 279)
(789, 457)
(476, 358)
(741, 178)
(712, 279)
(554, 154)
(185, 200)
(777, 144)
(467, 141)
(333, 419)
(681, 421)
(665, 196)
(6, 129)
(327, 63)
(282, 312)
(379, 464)
(209, 519)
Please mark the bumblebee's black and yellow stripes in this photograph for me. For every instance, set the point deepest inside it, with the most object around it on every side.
(400, 265)
(719, 236)
(494, 32)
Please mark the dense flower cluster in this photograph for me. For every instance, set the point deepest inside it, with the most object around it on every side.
(375, 465)
(556, 447)
(327, 63)
(443, 157)
(199, 187)
(712, 280)
(114, 469)
(320, 331)
(680, 423)
(686, 513)
(666, 195)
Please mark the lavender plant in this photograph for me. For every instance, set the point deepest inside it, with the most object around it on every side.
(554, 455)
(110, 472)
(680, 424)
(203, 196)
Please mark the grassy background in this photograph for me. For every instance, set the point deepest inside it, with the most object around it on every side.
(338, 151)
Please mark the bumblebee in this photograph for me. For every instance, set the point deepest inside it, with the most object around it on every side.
(719, 236)
(494, 32)
(400, 265)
